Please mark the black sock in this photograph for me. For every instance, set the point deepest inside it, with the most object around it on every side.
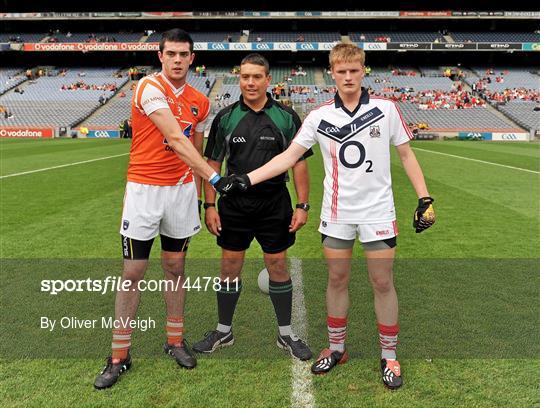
(227, 297)
(281, 296)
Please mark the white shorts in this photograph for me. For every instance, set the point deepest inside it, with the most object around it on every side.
(366, 232)
(151, 210)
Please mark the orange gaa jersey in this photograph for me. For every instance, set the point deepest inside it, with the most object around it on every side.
(151, 160)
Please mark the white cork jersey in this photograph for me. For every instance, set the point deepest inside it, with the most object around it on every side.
(356, 151)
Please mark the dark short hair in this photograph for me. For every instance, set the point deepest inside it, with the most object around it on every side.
(175, 35)
(256, 59)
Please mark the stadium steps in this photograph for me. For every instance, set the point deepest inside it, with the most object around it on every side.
(126, 87)
(504, 117)
(10, 89)
(493, 109)
(243, 38)
(448, 38)
(345, 38)
(319, 78)
(143, 38)
(216, 89)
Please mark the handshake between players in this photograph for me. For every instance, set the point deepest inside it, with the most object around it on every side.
(231, 184)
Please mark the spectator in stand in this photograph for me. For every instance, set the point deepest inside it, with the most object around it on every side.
(300, 38)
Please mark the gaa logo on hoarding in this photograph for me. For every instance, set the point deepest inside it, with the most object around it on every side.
(102, 133)
(285, 46)
(241, 46)
(262, 46)
(509, 136)
(307, 46)
(218, 46)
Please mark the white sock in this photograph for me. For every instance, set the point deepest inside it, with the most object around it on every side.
(223, 329)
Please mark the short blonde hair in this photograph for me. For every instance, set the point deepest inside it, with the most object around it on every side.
(346, 52)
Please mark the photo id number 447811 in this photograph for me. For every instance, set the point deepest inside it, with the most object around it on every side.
(205, 283)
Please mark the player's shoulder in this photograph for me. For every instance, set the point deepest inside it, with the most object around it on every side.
(324, 109)
(327, 105)
(151, 79)
(194, 93)
(382, 102)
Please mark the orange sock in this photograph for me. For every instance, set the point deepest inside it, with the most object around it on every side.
(121, 342)
(175, 330)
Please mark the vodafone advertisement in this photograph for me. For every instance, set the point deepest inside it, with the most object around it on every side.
(26, 132)
(115, 46)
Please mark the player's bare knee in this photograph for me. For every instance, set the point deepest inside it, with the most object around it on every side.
(338, 281)
(277, 268)
(382, 284)
(130, 281)
(229, 274)
(173, 267)
(134, 270)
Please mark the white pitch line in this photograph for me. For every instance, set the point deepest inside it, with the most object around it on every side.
(478, 161)
(61, 166)
(302, 387)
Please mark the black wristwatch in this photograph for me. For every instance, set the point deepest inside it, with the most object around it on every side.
(208, 205)
(303, 206)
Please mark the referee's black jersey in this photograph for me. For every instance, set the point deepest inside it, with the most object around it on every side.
(247, 139)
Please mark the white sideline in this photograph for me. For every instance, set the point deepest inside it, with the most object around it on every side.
(302, 388)
(476, 160)
(62, 165)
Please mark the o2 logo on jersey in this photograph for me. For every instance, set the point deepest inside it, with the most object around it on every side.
(349, 149)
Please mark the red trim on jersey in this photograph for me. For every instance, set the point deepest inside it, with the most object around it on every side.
(325, 103)
(394, 224)
(407, 130)
(335, 184)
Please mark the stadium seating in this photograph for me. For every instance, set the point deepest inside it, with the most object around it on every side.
(113, 112)
(473, 118)
(98, 37)
(495, 37)
(44, 103)
(523, 113)
(201, 36)
(22, 37)
(288, 36)
(10, 77)
(417, 36)
(417, 83)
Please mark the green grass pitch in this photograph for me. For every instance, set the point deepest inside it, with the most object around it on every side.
(468, 289)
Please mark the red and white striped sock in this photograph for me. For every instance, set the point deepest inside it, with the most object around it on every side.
(337, 332)
(388, 339)
(175, 330)
(121, 342)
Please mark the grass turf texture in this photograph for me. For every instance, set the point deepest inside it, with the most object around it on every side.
(469, 328)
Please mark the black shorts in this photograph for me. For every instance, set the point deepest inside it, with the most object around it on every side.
(264, 217)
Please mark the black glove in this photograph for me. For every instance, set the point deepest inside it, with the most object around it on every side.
(199, 204)
(231, 184)
(243, 182)
(424, 216)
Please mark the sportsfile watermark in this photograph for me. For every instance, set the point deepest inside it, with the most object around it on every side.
(448, 308)
(116, 284)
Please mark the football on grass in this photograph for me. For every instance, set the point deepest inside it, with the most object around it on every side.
(264, 281)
